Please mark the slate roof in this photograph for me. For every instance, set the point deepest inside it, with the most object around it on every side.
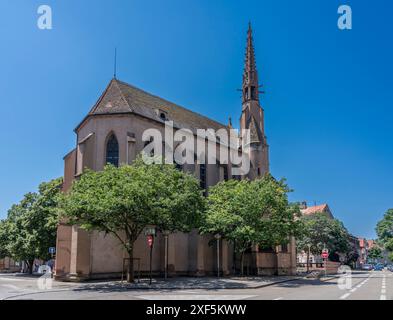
(120, 97)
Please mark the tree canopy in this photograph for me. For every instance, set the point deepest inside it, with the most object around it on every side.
(250, 212)
(322, 232)
(385, 230)
(124, 201)
(375, 253)
(3, 239)
(31, 225)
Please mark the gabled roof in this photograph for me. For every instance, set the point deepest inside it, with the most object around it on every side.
(120, 97)
(323, 208)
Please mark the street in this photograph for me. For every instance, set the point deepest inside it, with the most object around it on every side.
(374, 285)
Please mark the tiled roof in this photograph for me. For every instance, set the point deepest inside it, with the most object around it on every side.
(323, 208)
(125, 98)
(314, 209)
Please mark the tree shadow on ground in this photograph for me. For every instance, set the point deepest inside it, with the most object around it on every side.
(179, 284)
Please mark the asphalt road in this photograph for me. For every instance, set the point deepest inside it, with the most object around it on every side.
(375, 285)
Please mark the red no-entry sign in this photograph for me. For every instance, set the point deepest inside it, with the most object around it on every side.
(150, 240)
(325, 253)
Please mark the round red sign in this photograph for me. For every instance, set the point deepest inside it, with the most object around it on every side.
(150, 240)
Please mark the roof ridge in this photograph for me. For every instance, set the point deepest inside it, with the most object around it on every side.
(96, 104)
(167, 101)
(122, 95)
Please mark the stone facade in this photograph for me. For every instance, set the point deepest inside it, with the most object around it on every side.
(122, 114)
(9, 265)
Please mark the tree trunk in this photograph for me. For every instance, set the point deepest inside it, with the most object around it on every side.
(276, 262)
(242, 263)
(130, 269)
(31, 265)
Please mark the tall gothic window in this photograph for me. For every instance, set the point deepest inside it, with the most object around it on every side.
(112, 151)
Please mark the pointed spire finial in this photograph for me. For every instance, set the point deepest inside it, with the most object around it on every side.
(250, 74)
(230, 122)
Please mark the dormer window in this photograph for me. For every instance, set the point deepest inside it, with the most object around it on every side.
(162, 114)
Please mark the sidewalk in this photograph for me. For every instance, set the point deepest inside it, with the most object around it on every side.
(182, 283)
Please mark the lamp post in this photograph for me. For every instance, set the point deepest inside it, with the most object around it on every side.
(217, 236)
(166, 234)
(308, 257)
(150, 233)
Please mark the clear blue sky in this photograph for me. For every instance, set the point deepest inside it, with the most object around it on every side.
(328, 101)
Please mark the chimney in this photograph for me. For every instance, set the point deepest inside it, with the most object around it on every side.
(303, 205)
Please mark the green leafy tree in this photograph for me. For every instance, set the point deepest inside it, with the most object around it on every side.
(385, 231)
(32, 224)
(124, 201)
(4, 239)
(375, 253)
(322, 232)
(250, 212)
(389, 245)
(352, 255)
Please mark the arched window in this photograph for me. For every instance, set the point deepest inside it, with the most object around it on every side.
(112, 151)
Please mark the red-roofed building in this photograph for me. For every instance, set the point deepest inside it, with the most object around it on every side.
(371, 244)
(323, 208)
(363, 244)
(308, 211)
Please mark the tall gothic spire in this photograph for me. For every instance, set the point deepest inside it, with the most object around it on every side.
(250, 74)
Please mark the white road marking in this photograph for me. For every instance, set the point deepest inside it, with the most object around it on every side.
(353, 290)
(12, 279)
(383, 297)
(10, 286)
(279, 298)
(344, 296)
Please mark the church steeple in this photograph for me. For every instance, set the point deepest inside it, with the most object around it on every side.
(250, 74)
(252, 117)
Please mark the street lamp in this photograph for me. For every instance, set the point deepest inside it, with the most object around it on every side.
(150, 233)
(308, 257)
(166, 234)
(218, 237)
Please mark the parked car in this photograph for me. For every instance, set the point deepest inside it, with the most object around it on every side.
(378, 267)
(390, 267)
(367, 267)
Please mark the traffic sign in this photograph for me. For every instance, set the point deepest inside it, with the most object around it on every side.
(325, 253)
(150, 240)
(52, 250)
(150, 231)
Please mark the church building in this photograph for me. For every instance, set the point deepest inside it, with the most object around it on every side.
(112, 133)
